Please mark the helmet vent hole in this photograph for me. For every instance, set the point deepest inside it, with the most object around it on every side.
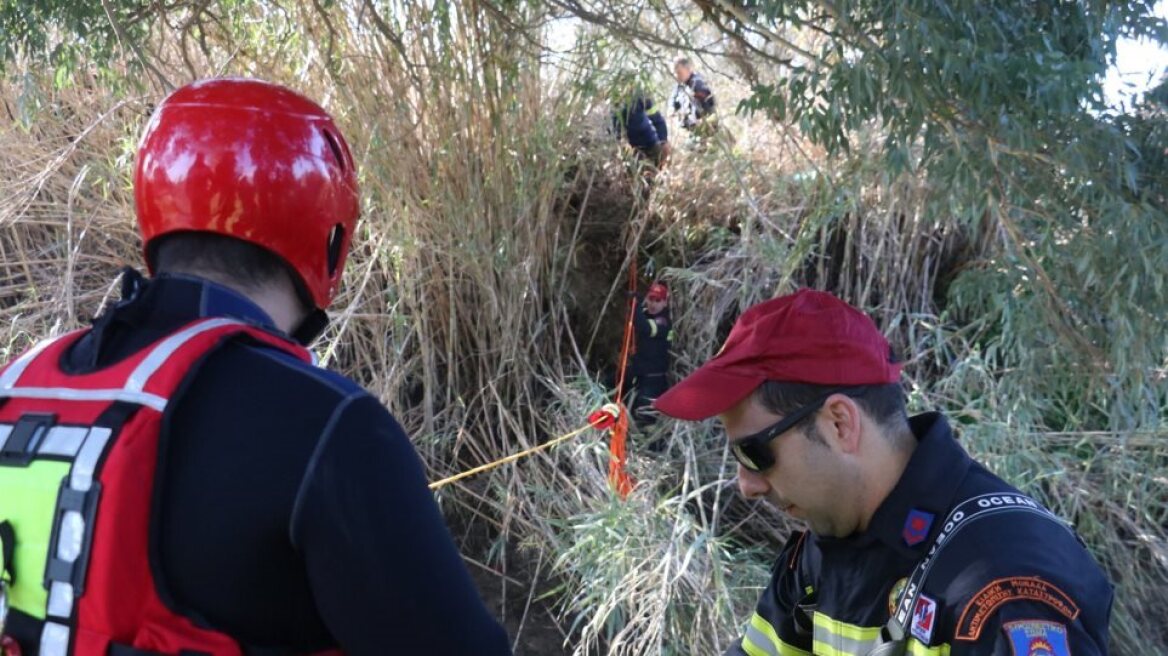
(335, 242)
(336, 148)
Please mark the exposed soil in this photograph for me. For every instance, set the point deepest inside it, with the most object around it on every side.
(533, 629)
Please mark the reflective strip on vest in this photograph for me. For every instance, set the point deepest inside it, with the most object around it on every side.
(761, 640)
(161, 353)
(62, 441)
(835, 638)
(652, 328)
(68, 394)
(14, 370)
(81, 477)
(61, 599)
(132, 392)
(54, 639)
(72, 533)
(917, 648)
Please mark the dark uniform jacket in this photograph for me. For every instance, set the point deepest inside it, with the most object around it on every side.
(642, 124)
(703, 96)
(294, 512)
(1007, 583)
(654, 337)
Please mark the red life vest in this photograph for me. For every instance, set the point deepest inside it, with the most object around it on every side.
(105, 426)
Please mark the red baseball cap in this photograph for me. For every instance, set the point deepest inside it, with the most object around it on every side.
(806, 337)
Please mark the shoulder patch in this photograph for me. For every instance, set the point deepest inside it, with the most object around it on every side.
(916, 527)
(1037, 638)
(1030, 588)
(924, 618)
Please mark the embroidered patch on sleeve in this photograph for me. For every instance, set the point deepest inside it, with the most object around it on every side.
(1037, 638)
(916, 527)
(924, 617)
(1030, 588)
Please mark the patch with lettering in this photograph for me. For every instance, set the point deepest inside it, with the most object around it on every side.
(924, 618)
(894, 595)
(916, 527)
(1028, 588)
(1037, 638)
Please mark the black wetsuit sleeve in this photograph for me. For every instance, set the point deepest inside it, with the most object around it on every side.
(384, 571)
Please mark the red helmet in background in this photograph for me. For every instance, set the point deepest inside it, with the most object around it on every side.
(254, 161)
(658, 292)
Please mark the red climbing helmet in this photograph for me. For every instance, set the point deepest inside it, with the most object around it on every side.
(658, 292)
(254, 161)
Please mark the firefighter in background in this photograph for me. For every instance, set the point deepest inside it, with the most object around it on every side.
(640, 122)
(692, 98)
(180, 478)
(650, 362)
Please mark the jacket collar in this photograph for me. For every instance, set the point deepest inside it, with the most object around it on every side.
(183, 298)
(912, 514)
(152, 309)
(915, 510)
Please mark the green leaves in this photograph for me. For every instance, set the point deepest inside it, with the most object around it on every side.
(998, 106)
(62, 33)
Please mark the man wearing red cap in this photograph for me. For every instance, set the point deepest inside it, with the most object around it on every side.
(913, 547)
(650, 361)
(179, 478)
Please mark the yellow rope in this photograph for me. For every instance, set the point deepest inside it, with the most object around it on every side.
(511, 458)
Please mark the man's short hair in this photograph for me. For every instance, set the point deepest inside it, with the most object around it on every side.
(883, 403)
(682, 60)
(220, 257)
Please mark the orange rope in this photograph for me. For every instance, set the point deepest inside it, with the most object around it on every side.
(618, 475)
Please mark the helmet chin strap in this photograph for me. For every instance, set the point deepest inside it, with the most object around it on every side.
(310, 327)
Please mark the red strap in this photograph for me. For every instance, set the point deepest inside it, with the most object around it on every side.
(618, 475)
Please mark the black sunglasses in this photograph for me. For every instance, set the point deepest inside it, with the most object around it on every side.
(753, 451)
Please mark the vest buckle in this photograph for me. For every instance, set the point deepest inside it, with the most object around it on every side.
(21, 445)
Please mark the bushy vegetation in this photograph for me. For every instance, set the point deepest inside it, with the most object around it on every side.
(1003, 228)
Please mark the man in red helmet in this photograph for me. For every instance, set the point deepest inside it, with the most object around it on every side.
(650, 362)
(179, 478)
(913, 547)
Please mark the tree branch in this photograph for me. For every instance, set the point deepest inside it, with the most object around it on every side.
(747, 21)
(128, 42)
(394, 39)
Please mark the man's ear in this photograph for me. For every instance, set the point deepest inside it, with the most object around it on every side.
(842, 423)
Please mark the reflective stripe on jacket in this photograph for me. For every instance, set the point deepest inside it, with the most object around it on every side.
(78, 453)
(1005, 582)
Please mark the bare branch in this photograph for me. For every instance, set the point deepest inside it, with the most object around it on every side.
(742, 17)
(387, 32)
(624, 31)
(127, 41)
